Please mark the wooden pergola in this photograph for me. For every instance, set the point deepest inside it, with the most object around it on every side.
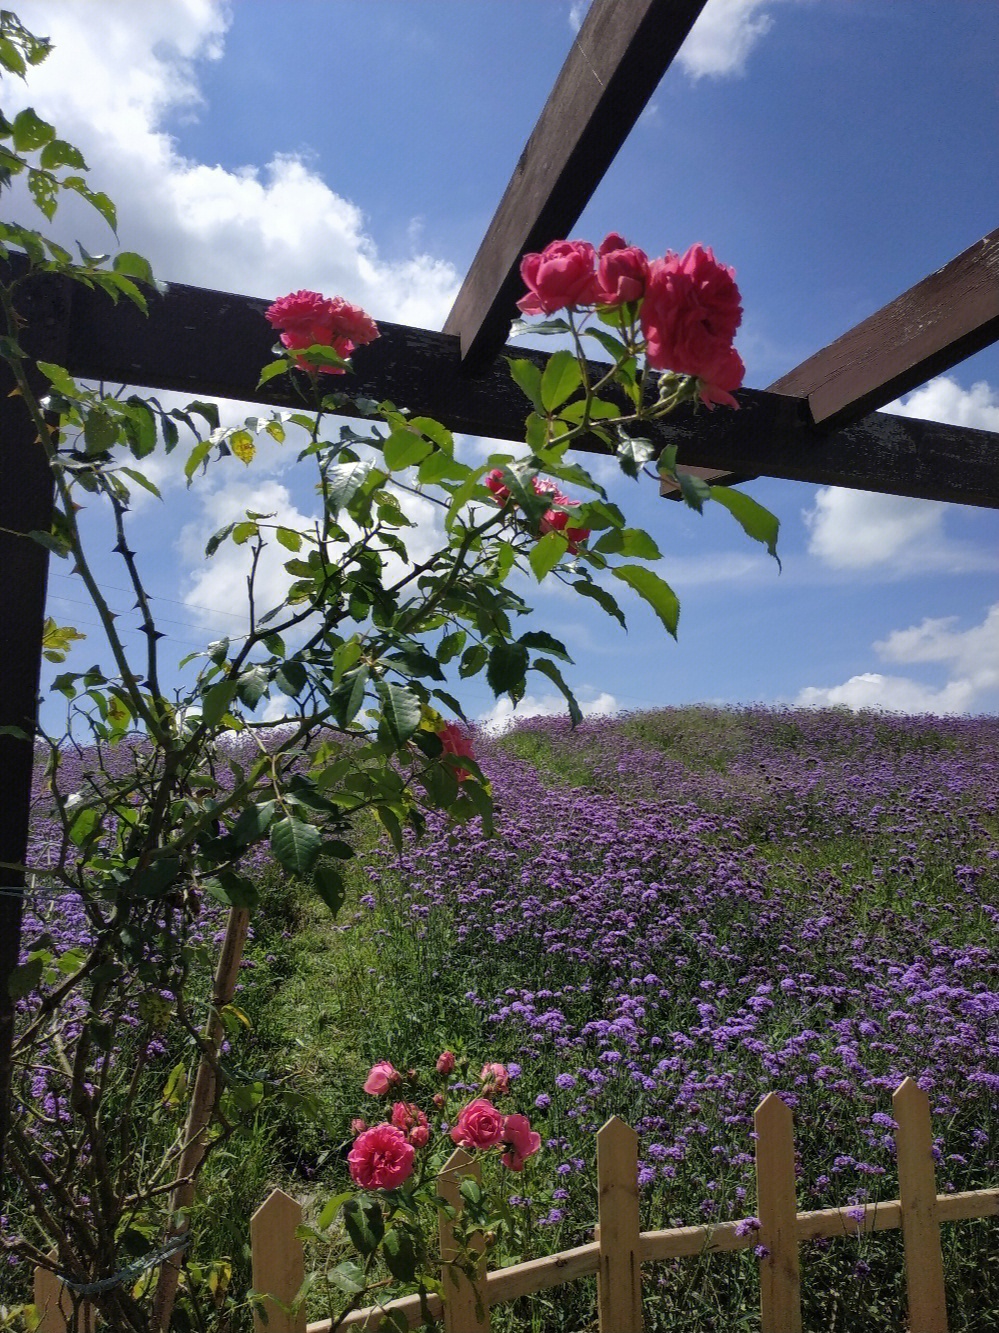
(818, 423)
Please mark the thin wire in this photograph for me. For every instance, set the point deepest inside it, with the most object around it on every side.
(115, 587)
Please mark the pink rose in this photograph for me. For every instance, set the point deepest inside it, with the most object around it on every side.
(561, 275)
(689, 317)
(413, 1123)
(445, 1062)
(382, 1077)
(440, 1101)
(457, 742)
(381, 1158)
(495, 1079)
(622, 271)
(521, 1141)
(307, 319)
(494, 481)
(358, 1126)
(556, 520)
(479, 1125)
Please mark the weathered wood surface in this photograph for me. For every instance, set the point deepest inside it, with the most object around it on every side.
(777, 1207)
(619, 1276)
(917, 1189)
(948, 316)
(616, 62)
(466, 1307)
(214, 344)
(278, 1263)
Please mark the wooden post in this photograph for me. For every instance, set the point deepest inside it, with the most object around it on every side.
(918, 1194)
(466, 1306)
(278, 1258)
(54, 1305)
(619, 1277)
(777, 1207)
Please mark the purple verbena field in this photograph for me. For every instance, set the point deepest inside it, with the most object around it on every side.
(680, 911)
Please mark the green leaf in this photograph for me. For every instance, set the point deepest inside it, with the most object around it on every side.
(132, 265)
(633, 454)
(83, 826)
(613, 346)
(99, 432)
(694, 490)
(365, 1225)
(242, 532)
(403, 448)
(598, 409)
(755, 521)
(216, 700)
(23, 980)
(330, 1209)
(272, 371)
(528, 376)
(656, 591)
(30, 131)
(58, 153)
(142, 480)
(473, 660)
(634, 542)
(295, 844)
(344, 480)
(451, 645)
(400, 1254)
(289, 539)
(216, 540)
(400, 712)
(59, 378)
(545, 643)
(506, 669)
(604, 599)
(433, 430)
(329, 885)
(561, 378)
(252, 686)
(550, 670)
(440, 466)
(291, 678)
(546, 553)
(198, 456)
(347, 698)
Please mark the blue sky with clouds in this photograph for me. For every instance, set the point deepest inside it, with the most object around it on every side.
(834, 153)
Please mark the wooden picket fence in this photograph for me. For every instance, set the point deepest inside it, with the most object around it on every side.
(620, 1249)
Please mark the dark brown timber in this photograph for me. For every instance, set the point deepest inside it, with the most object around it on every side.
(947, 317)
(214, 343)
(25, 506)
(616, 62)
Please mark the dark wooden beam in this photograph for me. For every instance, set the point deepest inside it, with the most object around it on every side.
(25, 506)
(620, 54)
(936, 324)
(214, 344)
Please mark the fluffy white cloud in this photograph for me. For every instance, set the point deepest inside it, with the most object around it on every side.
(502, 716)
(720, 41)
(577, 12)
(116, 73)
(972, 657)
(854, 530)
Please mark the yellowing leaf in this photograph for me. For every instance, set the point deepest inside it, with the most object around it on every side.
(241, 444)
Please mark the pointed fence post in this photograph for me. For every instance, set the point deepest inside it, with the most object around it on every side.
(619, 1277)
(55, 1305)
(278, 1263)
(917, 1189)
(466, 1306)
(777, 1207)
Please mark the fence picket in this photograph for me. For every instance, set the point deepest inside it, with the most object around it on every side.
(777, 1207)
(278, 1263)
(55, 1304)
(920, 1223)
(466, 1306)
(619, 1276)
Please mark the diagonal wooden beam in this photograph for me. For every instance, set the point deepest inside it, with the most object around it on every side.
(936, 324)
(214, 344)
(620, 54)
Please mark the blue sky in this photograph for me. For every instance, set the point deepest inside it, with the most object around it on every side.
(833, 153)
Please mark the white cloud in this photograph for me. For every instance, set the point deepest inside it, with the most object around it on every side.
(502, 715)
(854, 530)
(577, 12)
(116, 73)
(971, 655)
(720, 41)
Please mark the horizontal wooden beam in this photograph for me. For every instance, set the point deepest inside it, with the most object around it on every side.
(214, 344)
(620, 54)
(933, 326)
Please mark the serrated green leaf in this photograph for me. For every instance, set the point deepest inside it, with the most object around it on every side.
(142, 481)
(401, 711)
(654, 590)
(451, 645)
(546, 553)
(403, 448)
(506, 669)
(272, 371)
(562, 377)
(295, 844)
(344, 480)
(30, 132)
(289, 539)
(633, 454)
(550, 670)
(473, 660)
(634, 542)
(328, 883)
(754, 520)
(400, 1255)
(528, 376)
(693, 489)
(545, 643)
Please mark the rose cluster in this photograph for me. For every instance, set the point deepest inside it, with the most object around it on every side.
(688, 306)
(307, 319)
(552, 520)
(383, 1155)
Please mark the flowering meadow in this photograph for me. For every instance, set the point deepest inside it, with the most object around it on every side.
(680, 911)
